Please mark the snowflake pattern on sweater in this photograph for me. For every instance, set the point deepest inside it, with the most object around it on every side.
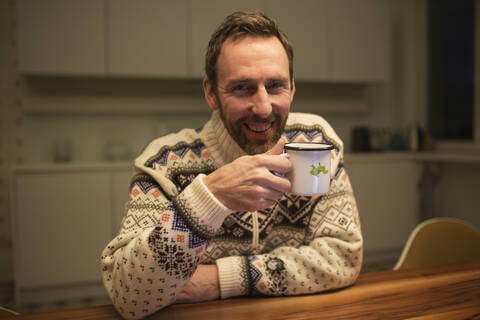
(172, 223)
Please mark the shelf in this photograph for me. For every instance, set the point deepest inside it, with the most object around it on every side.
(412, 156)
(350, 158)
(74, 167)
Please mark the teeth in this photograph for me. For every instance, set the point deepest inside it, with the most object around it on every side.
(259, 127)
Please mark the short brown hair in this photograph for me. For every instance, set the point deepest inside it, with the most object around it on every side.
(241, 24)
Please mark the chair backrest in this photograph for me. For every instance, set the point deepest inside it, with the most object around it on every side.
(440, 241)
(5, 312)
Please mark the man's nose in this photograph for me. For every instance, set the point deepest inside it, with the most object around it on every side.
(261, 103)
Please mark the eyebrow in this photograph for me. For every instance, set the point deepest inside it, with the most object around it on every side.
(247, 80)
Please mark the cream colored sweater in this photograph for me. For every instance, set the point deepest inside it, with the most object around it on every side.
(172, 223)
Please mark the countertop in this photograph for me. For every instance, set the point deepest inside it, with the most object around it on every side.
(350, 158)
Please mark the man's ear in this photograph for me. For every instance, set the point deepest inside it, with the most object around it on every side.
(210, 95)
(292, 90)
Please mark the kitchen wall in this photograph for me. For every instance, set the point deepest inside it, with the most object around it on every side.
(51, 110)
(89, 132)
(11, 131)
(88, 113)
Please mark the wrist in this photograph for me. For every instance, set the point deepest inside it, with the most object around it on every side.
(208, 182)
(206, 211)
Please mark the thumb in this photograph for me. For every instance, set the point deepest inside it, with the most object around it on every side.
(277, 148)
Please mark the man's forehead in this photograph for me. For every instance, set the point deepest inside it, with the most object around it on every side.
(242, 58)
(233, 42)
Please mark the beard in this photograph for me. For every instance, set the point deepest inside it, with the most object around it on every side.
(259, 145)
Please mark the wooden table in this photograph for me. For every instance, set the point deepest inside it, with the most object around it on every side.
(441, 292)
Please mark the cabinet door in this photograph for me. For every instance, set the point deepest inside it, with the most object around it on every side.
(62, 225)
(306, 25)
(147, 38)
(120, 189)
(206, 16)
(61, 36)
(359, 40)
(387, 196)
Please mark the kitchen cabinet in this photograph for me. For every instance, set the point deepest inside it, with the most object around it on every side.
(206, 15)
(359, 40)
(305, 22)
(120, 188)
(147, 38)
(334, 40)
(63, 37)
(64, 217)
(144, 38)
(386, 188)
(337, 40)
(63, 225)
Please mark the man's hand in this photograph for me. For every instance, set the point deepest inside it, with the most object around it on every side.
(203, 286)
(248, 184)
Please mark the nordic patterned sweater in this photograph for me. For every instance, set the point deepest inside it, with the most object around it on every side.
(172, 223)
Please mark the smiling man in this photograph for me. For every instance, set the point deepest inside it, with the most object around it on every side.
(206, 217)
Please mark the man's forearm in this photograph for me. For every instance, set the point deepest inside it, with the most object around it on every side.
(203, 286)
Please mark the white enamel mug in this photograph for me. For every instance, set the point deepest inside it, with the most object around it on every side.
(310, 174)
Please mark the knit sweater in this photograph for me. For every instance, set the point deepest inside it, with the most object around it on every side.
(172, 223)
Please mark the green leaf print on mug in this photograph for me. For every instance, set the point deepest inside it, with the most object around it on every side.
(317, 170)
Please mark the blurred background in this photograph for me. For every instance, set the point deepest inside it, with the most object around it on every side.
(85, 85)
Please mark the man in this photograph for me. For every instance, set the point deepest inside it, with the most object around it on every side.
(207, 218)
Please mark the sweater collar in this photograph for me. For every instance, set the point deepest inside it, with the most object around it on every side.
(223, 147)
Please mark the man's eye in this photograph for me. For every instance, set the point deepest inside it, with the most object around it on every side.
(241, 87)
(275, 86)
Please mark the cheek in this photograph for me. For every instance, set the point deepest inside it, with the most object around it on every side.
(281, 104)
(235, 109)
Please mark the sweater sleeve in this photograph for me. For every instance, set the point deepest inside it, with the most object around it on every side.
(330, 258)
(159, 245)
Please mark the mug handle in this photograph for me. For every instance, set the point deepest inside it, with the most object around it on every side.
(278, 174)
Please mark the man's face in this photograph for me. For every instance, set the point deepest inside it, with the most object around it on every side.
(254, 91)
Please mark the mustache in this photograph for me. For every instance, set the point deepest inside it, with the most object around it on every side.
(255, 118)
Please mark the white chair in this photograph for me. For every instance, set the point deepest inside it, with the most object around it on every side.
(440, 241)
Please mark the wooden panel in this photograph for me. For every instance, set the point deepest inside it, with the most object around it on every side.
(147, 38)
(62, 225)
(306, 26)
(61, 36)
(206, 16)
(360, 40)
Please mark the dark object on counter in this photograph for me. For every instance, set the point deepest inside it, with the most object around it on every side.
(416, 138)
(397, 142)
(361, 139)
(62, 150)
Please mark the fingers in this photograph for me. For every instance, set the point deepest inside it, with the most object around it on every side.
(277, 185)
(272, 187)
(275, 163)
(272, 161)
(248, 183)
(277, 148)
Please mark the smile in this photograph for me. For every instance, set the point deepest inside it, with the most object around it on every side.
(259, 127)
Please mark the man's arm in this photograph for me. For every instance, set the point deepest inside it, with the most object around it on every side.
(330, 257)
(163, 236)
(157, 251)
(203, 286)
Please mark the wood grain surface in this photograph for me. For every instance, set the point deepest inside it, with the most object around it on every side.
(441, 292)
